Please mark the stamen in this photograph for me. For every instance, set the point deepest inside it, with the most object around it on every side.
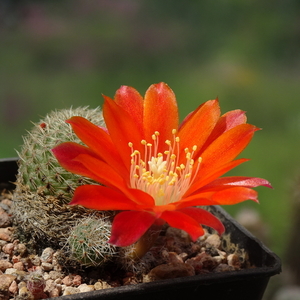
(160, 174)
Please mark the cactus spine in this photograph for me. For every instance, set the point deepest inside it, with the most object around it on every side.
(87, 241)
(44, 188)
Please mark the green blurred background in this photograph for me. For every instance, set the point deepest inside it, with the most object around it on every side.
(57, 54)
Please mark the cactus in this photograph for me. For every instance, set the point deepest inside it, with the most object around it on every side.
(44, 188)
(87, 241)
(38, 168)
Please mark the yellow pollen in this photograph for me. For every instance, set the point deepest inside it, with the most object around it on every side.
(165, 176)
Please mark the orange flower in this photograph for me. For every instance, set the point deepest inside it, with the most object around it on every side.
(154, 170)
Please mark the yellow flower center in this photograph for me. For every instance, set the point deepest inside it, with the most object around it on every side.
(160, 174)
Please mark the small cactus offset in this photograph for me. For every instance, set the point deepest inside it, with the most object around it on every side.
(44, 188)
(87, 241)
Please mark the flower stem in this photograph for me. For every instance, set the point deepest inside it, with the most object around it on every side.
(143, 245)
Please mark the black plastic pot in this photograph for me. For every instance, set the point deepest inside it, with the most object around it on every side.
(248, 284)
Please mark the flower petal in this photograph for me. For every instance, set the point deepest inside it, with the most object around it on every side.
(98, 140)
(132, 102)
(205, 218)
(234, 195)
(199, 126)
(180, 220)
(102, 172)
(122, 129)
(235, 181)
(225, 196)
(160, 113)
(225, 148)
(202, 180)
(65, 153)
(101, 198)
(129, 226)
(226, 122)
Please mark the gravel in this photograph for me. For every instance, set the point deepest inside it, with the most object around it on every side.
(25, 274)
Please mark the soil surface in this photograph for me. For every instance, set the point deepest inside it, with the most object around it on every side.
(26, 274)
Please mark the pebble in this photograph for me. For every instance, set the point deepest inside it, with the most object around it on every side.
(77, 280)
(56, 265)
(5, 281)
(166, 271)
(196, 264)
(2, 243)
(18, 266)
(70, 290)
(15, 258)
(174, 258)
(214, 240)
(56, 275)
(52, 287)
(13, 288)
(47, 255)
(21, 284)
(101, 285)
(4, 264)
(10, 271)
(6, 234)
(21, 249)
(8, 248)
(86, 288)
(67, 280)
(5, 219)
(23, 292)
(233, 261)
(55, 292)
(47, 266)
(35, 260)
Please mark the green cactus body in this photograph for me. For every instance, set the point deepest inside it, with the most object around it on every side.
(38, 168)
(87, 241)
(44, 188)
